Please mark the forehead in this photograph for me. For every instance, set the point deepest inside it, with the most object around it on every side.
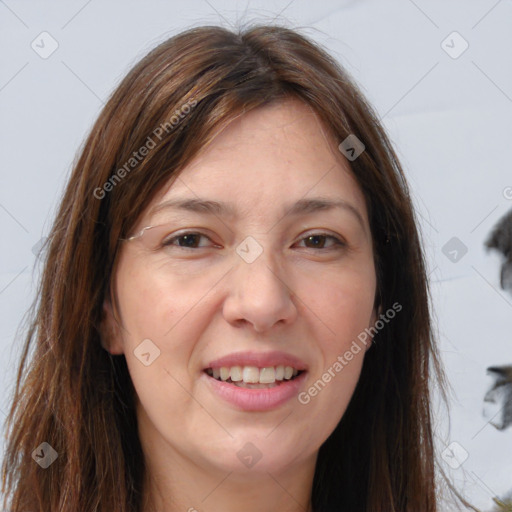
(266, 158)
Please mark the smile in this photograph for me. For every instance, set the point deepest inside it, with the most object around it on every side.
(255, 381)
(252, 377)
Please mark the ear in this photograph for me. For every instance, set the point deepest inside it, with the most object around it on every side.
(110, 333)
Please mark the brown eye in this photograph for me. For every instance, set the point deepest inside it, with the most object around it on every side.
(185, 240)
(319, 241)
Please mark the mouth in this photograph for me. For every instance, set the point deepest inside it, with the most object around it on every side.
(256, 381)
(253, 377)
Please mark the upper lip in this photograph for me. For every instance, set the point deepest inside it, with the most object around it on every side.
(259, 359)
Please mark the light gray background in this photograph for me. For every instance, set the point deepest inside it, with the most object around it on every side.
(449, 118)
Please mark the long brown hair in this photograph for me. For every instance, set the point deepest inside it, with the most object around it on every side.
(74, 395)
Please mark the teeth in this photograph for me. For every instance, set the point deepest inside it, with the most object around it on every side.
(267, 375)
(235, 373)
(253, 374)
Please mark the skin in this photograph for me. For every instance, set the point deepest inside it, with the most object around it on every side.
(311, 302)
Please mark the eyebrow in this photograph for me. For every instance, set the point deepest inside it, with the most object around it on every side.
(300, 207)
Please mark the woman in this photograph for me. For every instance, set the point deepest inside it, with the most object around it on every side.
(234, 308)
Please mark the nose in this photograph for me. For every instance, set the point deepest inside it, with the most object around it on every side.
(258, 295)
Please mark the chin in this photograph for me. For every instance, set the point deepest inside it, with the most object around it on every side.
(252, 454)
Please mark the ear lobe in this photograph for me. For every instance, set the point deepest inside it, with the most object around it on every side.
(109, 330)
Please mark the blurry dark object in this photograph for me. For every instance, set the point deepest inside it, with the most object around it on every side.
(501, 240)
(500, 396)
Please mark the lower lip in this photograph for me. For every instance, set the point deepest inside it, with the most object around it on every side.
(256, 399)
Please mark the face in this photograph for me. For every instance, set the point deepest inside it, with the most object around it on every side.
(274, 271)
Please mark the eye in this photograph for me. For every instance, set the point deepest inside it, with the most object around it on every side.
(318, 241)
(188, 240)
(197, 240)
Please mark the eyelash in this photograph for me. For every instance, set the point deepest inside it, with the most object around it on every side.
(338, 243)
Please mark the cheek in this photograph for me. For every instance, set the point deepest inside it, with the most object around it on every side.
(166, 312)
(151, 309)
(172, 311)
(342, 301)
(157, 302)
